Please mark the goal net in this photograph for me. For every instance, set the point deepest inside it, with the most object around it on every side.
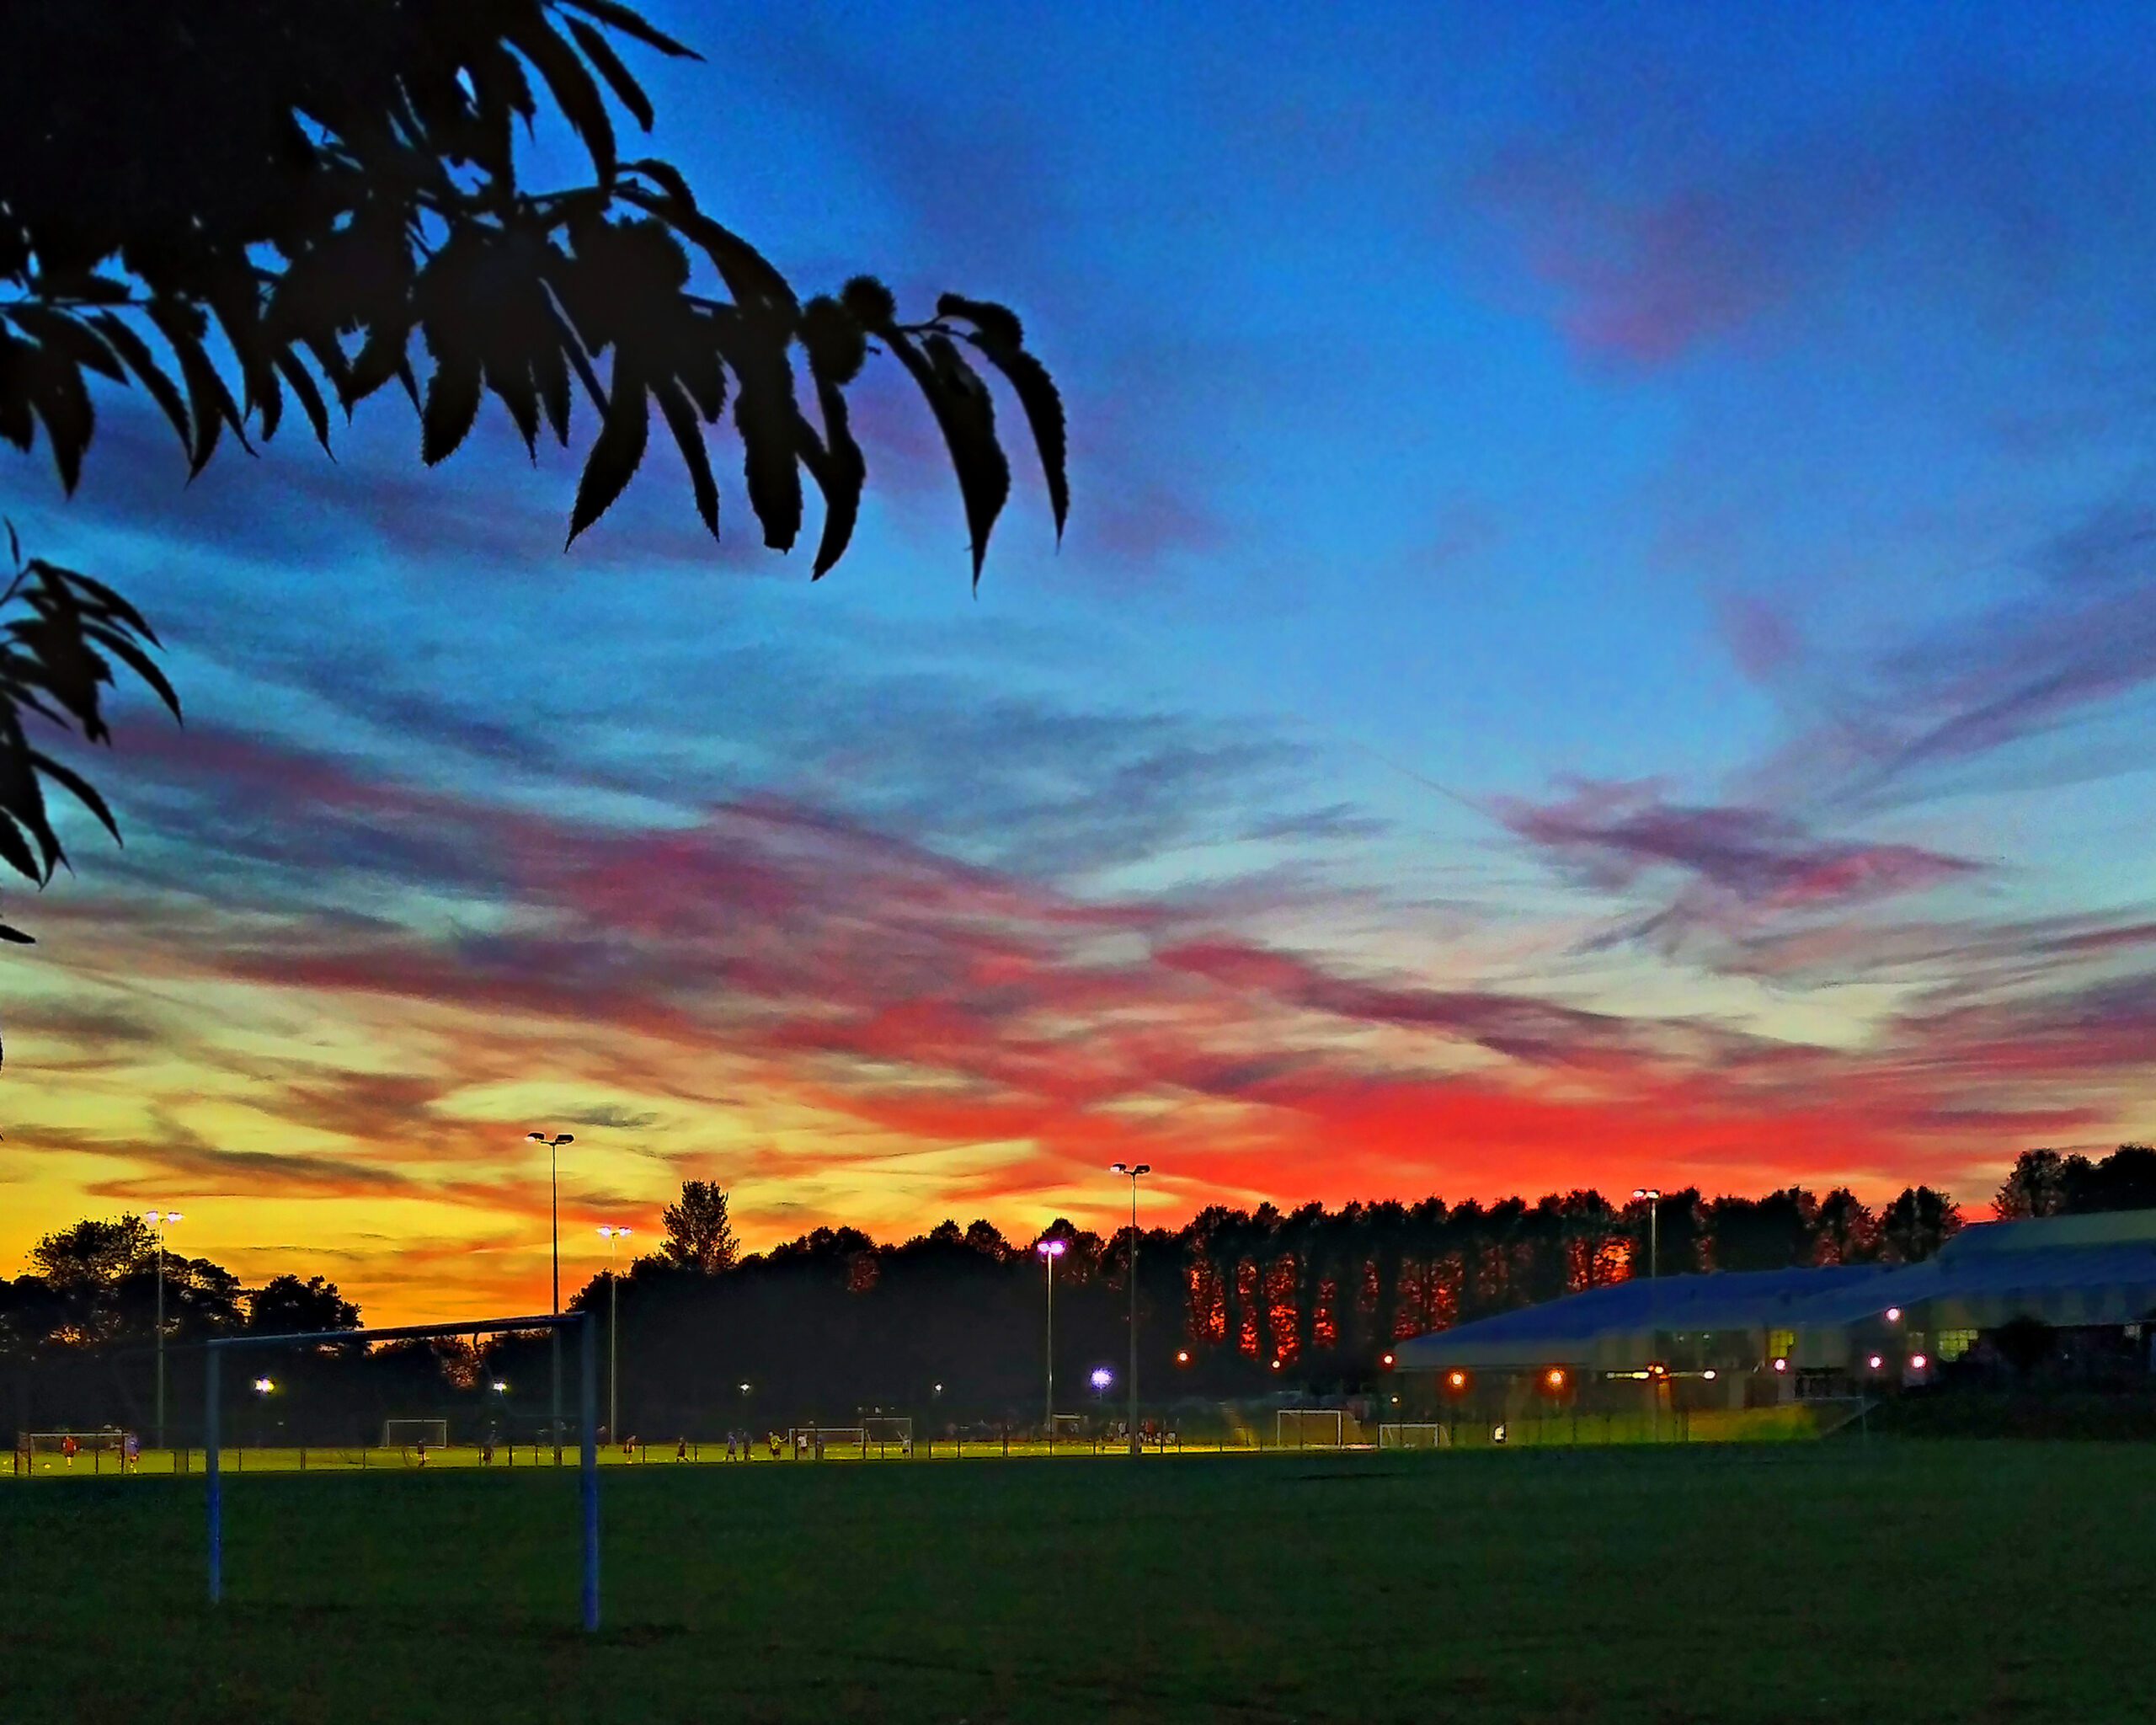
(1310, 1428)
(1066, 1428)
(403, 1433)
(1413, 1436)
(887, 1433)
(63, 1452)
(809, 1442)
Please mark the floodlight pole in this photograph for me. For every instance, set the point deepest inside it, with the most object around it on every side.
(1652, 1195)
(1134, 1170)
(613, 1339)
(1051, 1250)
(159, 1222)
(554, 1180)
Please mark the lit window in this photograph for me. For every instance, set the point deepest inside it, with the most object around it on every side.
(1954, 1344)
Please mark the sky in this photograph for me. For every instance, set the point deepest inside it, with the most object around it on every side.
(1605, 638)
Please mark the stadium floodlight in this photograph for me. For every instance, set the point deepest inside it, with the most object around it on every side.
(213, 1357)
(1132, 1171)
(263, 1386)
(501, 1387)
(554, 1181)
(1103, 1377)
(1051, 1250)
(159, 1220)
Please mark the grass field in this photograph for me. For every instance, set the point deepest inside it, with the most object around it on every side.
(1882, 1582)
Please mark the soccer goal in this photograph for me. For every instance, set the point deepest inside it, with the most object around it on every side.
(1310, 1428)
(811, 1443)
(72, 1452)
(886, 1432)
(1066, 1429)
(1415, 1435)
(404, 1434)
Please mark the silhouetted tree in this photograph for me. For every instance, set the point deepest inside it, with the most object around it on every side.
(246, 205)
(699, 1234)
(286, 1306)
(2126, 1179)
(1845, 1231)
(2025, 1343)
(1767, 1233)
(1917, 1224)
(2036, 1186)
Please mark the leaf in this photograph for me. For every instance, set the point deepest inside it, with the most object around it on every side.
(1037, 394)
(689, 436)
(551, 372)
(82, 791)
(16, 854)
(65, 334)
(139, 662)
(210, 403)
(579, 97)
(839, 476)
(667, 176)
(452, 404)
(63, 405)
(963, 408)
(769, 424)
(310, 402)
(517, 392)
(600, 53)
(999, 325)
(615, 453)
(144, 364)
(16, 935)
(629, 24)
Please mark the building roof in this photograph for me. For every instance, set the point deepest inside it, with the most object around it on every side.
(2065, 1270)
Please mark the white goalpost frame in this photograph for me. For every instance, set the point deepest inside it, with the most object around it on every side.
(887, 1431)
(436, 1434)
(213, 1354)
(1322, 1417)
(29, 1445)
(1409, 1434)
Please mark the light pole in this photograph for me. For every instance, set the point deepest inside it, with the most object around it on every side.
(613, 1338)
(1134, 1170)
(159, 1220)
(554, 1180)
(1652, 1195)
(1051, 1250)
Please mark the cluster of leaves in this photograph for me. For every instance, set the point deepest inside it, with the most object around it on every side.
(309, 193)
(240, 206)
(62, 634)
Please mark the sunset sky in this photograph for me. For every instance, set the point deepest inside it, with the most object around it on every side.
(1605, 638)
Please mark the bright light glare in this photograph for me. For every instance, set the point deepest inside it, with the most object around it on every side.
(1456, 1380)
(264, 1386)
(1276, 1365)
(1385, 1360)
(501, 1386)
(1893, 1314)
(1103, 1377)
(1554, 1378)
(1182, 1356)
(1876, 1362)
(1917, 1362)
(1050, 1248)
(1781, 1366)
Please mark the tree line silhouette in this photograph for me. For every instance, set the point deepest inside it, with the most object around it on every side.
(948, 1326)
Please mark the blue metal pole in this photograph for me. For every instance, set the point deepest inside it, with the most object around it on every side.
(212, 1356)
(591, 1465)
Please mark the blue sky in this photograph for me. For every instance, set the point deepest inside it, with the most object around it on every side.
(1605, 634)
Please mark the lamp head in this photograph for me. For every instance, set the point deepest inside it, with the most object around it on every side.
(1051, 1248)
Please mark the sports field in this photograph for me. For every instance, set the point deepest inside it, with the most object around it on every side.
(1878, 1582)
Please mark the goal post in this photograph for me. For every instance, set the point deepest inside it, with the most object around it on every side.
(402, 1434)
(887, 1432)
(213, 1357)
(1415, 1435)
(1310, 1428)
(67, 1446)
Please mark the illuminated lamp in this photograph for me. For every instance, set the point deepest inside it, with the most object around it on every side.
(1554, 1379)
(1456, 1380)
(1876, 1362)
(1917, 1362)
(1781, 1366)
(1893, 1314)
(1182, 1356)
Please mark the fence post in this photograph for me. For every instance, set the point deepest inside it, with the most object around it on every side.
(211, 1356)
(589, 1461)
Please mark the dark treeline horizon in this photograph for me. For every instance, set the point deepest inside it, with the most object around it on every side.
(948, 1326)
